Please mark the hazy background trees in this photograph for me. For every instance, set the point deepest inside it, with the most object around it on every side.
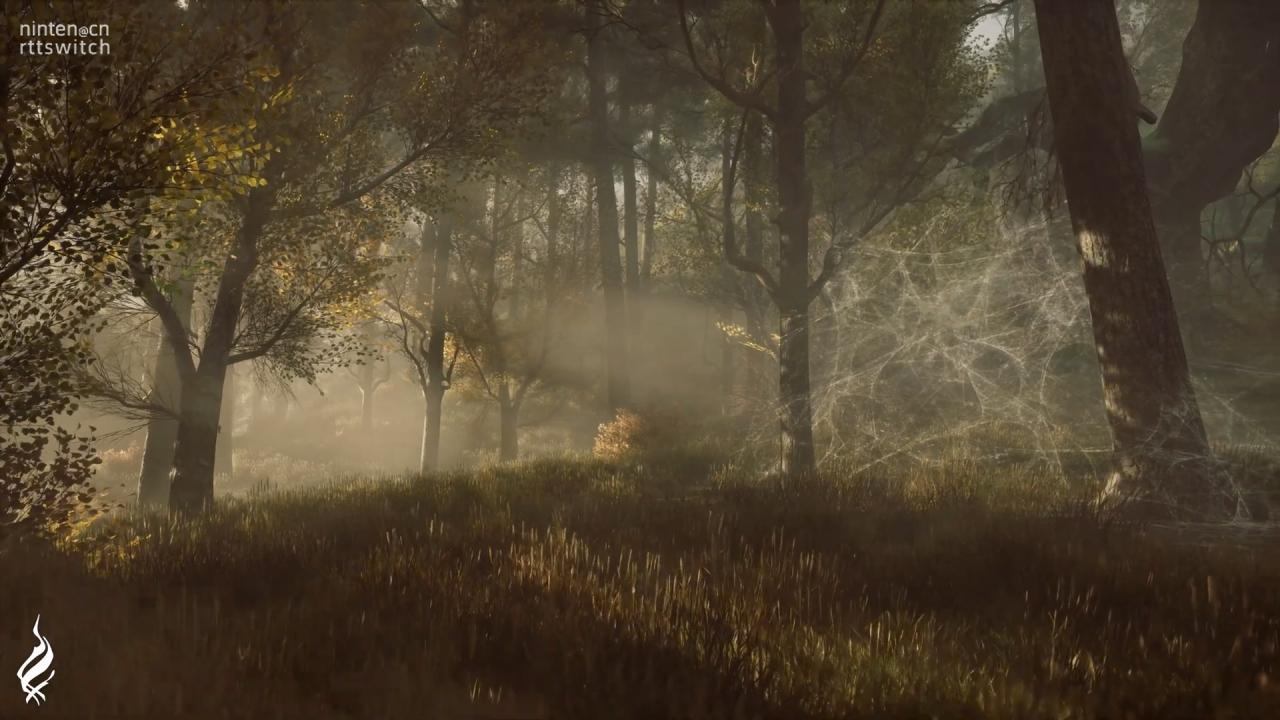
(796, 233)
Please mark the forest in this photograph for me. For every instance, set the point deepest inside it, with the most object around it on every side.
(640, 359)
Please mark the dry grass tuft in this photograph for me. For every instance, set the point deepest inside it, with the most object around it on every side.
(591, 589)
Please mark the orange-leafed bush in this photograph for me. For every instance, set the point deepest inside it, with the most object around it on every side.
(631, 433)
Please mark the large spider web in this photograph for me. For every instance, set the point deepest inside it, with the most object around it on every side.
(952, 334)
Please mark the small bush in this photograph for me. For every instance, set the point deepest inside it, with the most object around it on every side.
(632, 433)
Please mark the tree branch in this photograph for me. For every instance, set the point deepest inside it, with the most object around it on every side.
(174, 329)
(747, 100)
(731, 252)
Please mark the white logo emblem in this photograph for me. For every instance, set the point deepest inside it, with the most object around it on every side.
(40, 660)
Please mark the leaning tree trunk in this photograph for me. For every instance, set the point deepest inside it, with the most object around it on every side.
(166, 390)
(618, 376)
(1163, 460)
(434, 255)
(795, 199)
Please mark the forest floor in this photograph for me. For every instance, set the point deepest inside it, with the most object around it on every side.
(588, 589)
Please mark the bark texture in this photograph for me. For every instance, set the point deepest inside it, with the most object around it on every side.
(1163, 462)
(795, 200)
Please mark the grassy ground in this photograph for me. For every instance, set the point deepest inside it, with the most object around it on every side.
(583, 589)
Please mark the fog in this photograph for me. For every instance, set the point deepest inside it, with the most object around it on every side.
(640, 358)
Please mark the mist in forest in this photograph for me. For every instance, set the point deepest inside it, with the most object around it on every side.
(640, 358)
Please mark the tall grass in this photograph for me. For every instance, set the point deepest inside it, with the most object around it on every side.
(591, 589)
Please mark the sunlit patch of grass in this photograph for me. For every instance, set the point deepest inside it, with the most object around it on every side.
(640, 589)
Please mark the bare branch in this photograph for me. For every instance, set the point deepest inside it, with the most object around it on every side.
(731, 252)
(990, 8)
(174, 329)
(749, 99)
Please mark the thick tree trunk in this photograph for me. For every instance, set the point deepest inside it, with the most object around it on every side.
(429, 458)
(1221, 116)
(193, 460)
(618, 376)
(162, 430)
(795, 201)
(1162, 453)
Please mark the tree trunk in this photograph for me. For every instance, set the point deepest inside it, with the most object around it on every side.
(1221, 116)
(795, 201)
(162, 430)
(756, 307)
(193, 461)
(434, 254)
(223, 463)
(618, 377)
(440, 247)
(429, 459)
(1271, 247)
(630, 205)
(368, 387)
(651, 198)
(508, 437)
(1163, 462)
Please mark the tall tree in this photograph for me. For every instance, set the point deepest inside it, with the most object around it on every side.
(793, 289)
(420, 326)
(1163, 461)
(618, 393)
(86, 144)
(328, 94)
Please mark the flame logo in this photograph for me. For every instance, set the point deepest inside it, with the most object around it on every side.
(40, 660)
